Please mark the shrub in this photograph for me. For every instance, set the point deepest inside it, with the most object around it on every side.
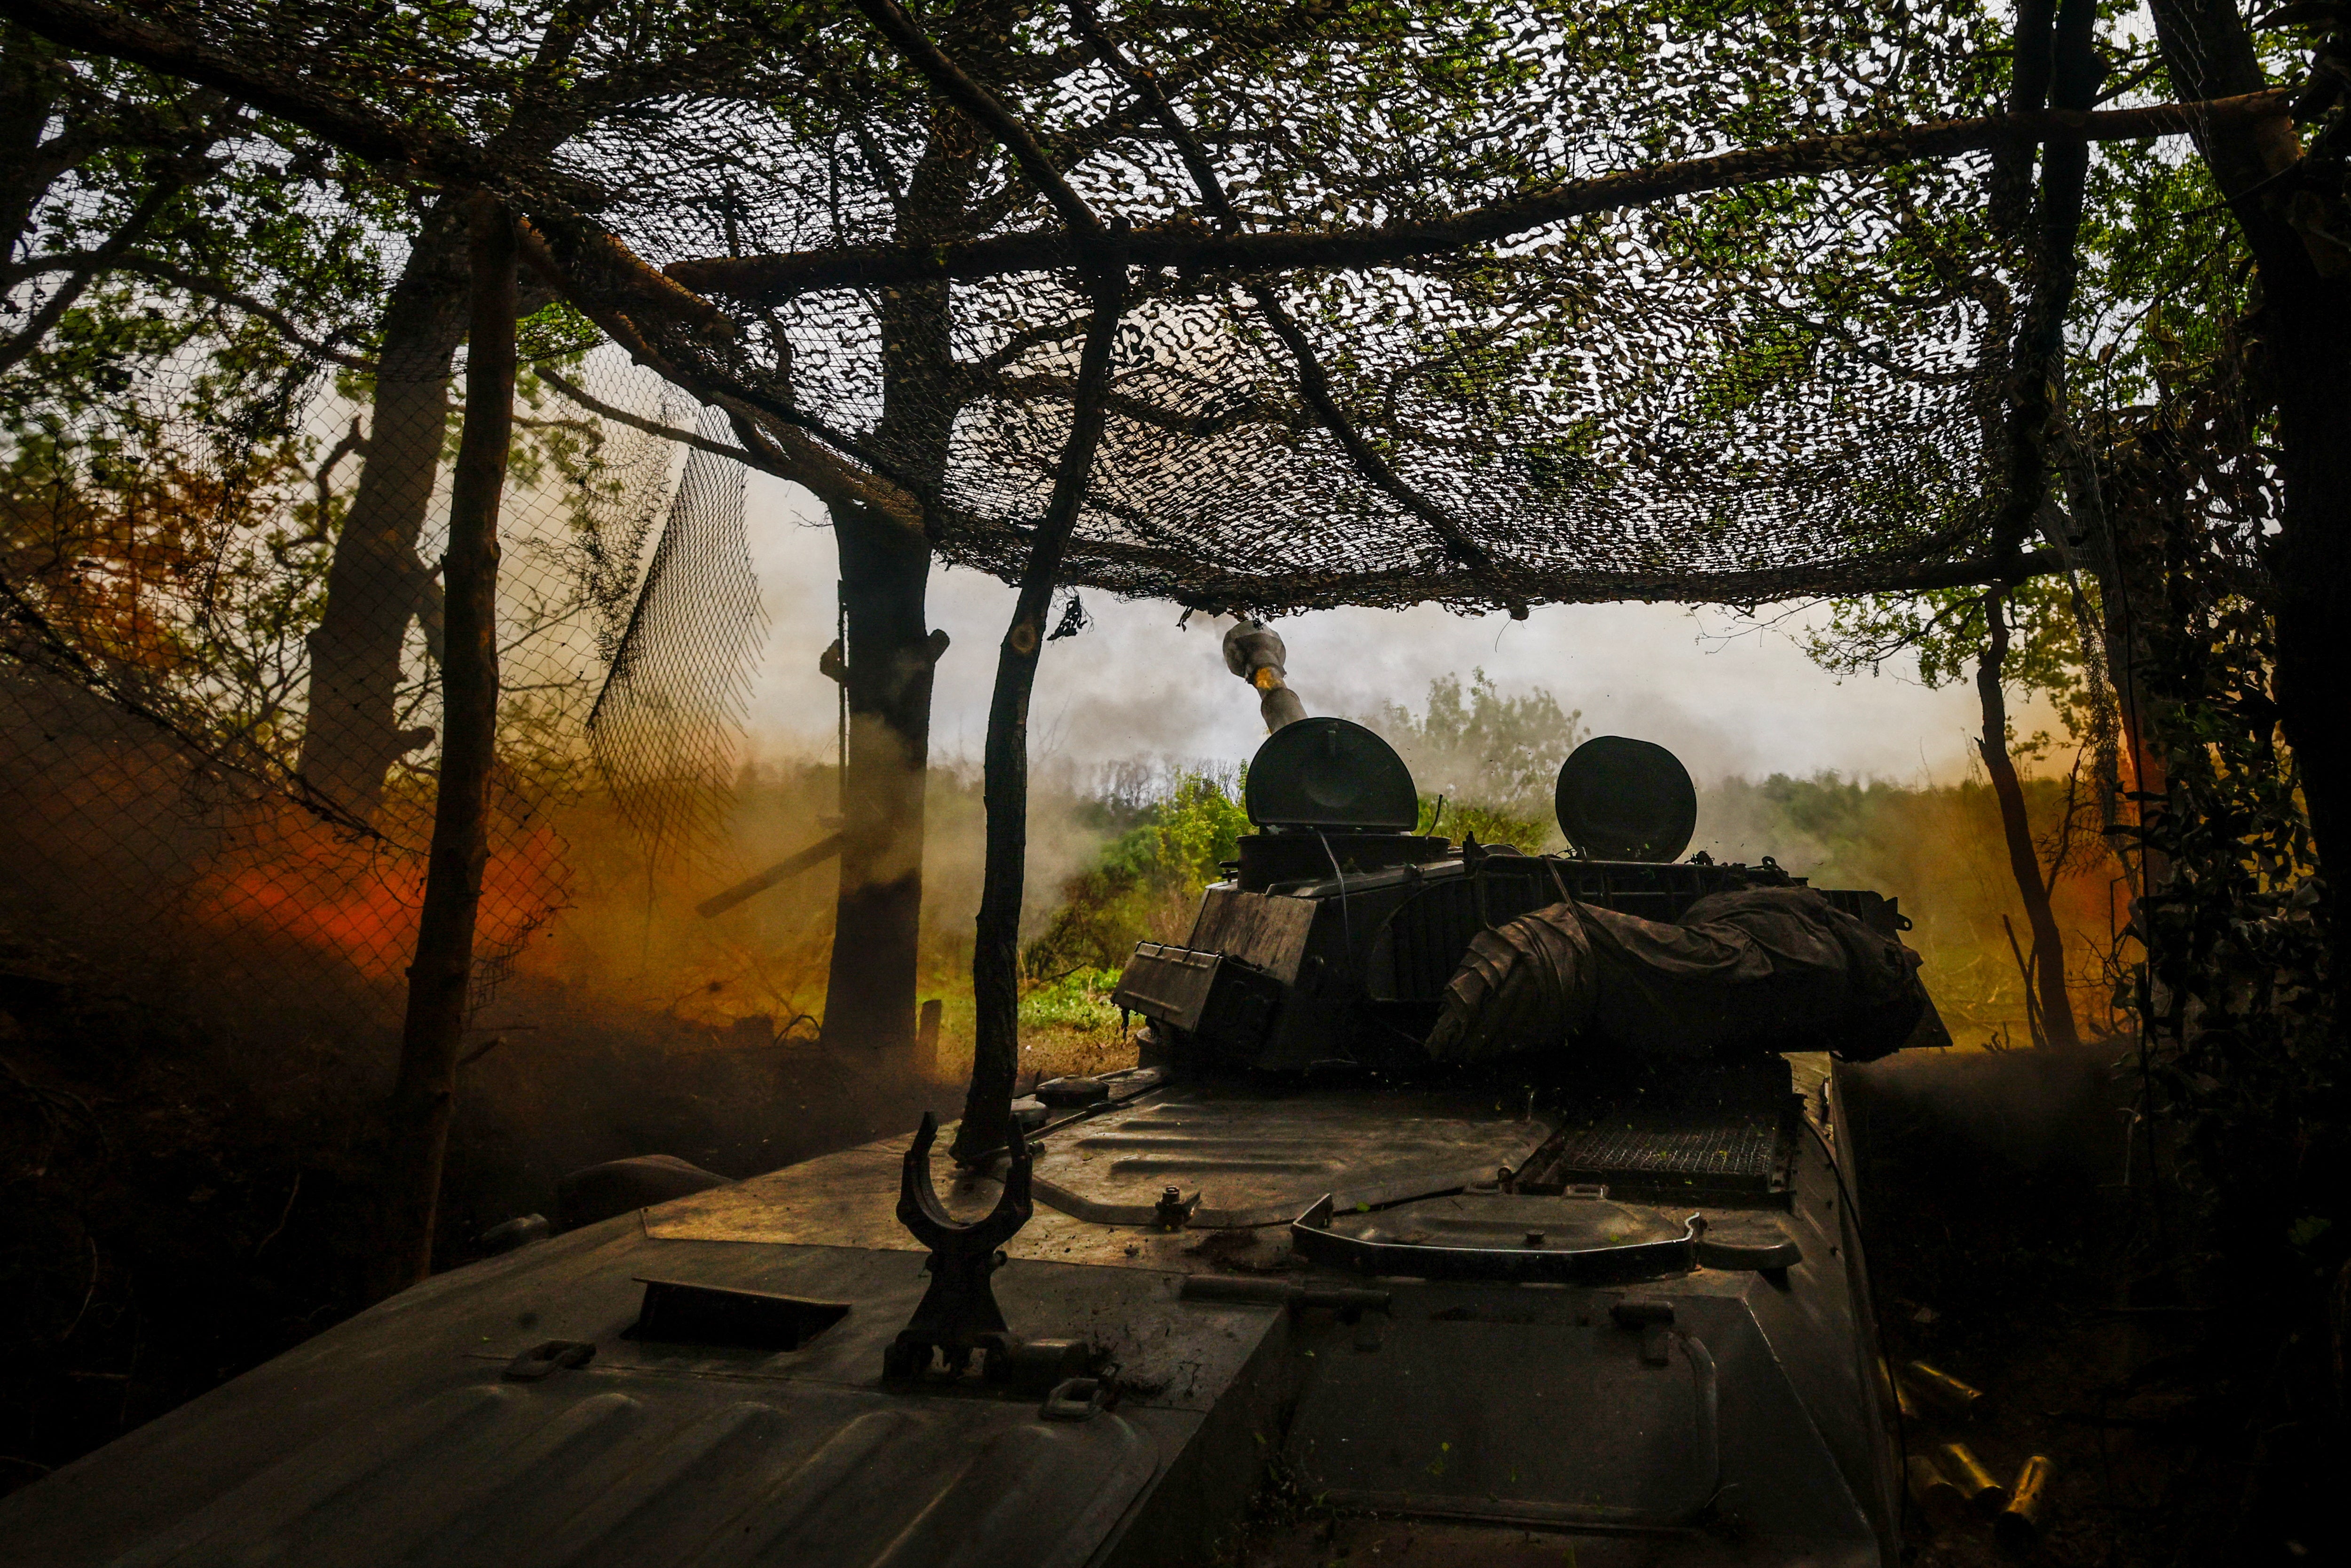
(1144, 885)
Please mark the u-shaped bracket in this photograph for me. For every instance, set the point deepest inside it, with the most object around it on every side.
(958, 1313)
(920, 1211)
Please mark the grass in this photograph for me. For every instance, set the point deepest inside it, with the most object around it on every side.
(1078, 1001)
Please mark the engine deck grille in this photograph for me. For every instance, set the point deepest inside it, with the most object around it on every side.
(1750, 1154)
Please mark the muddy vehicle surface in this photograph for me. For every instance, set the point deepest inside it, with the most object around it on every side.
(1598, 1301)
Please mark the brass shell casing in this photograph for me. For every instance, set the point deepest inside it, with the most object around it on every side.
(1932, 1490)
(1975, 1482)
(1939, 1389)
(2018, 1524)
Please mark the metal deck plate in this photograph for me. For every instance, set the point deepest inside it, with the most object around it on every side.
(1529, 1406)
(1261, 1160)
(593, 1470)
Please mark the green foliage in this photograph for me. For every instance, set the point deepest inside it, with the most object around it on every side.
(1146, 882)
(165, 244)
(1487, 825)
(173, 272)
(2236, 995)
(1495, 758)
(1830, 808)
(1192, 834)
(1079, 999)
(1944, 631)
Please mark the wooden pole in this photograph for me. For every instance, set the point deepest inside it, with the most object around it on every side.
(425, 1097)
(996, 956)
(817, 853)
(926, 1038)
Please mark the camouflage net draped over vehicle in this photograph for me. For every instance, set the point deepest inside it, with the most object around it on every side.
(1562, 390)
(1486, 306)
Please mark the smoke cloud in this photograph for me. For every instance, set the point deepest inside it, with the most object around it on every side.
(1728, 696)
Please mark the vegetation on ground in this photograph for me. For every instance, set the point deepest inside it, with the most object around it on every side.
(1143, 885)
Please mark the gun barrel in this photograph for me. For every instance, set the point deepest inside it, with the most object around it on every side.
(1254, 652)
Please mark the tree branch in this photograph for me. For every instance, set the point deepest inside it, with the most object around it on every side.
(53, 309)
(1313, 384)
(205, 288)
(770, 279)
(983, 106)
(1315, 387)
(87, 28)
(1183, 576)
(597, 406)
(796, 457)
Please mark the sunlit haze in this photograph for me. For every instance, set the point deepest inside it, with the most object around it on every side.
(1729, 694)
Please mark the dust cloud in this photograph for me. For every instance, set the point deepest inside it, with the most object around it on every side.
(1859, 782)
(622, 1022)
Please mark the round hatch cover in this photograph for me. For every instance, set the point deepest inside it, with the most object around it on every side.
(1621, 799)
(1330, 774)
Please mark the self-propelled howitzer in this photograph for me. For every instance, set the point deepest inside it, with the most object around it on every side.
(1584, 1284)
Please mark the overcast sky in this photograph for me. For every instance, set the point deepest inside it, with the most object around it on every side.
(1728, 696)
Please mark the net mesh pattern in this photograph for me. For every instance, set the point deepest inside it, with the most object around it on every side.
(153, 793)
(1668, 402)
(671, 708)
(1731, 396)
(759, 235)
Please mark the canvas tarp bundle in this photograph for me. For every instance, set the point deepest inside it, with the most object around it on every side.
(1773, 968)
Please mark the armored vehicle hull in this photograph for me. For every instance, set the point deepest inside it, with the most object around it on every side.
(1599, 1303)
(1354, 1309)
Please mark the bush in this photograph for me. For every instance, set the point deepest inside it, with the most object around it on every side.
(1077, 1000)
(1489, 826)
(1475, 744)
(1146, 883)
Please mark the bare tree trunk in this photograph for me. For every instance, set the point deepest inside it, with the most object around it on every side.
(996, 954)
(2023, 861)
(352, 736)
(877, 925)
(871, 978)
(424, 1098)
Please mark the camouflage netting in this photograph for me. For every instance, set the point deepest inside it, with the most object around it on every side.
(1421, 302)
(1777, 389)
(1737, 398)
(158, 634)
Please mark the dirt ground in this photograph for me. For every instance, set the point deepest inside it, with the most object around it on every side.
(2011, 1246)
